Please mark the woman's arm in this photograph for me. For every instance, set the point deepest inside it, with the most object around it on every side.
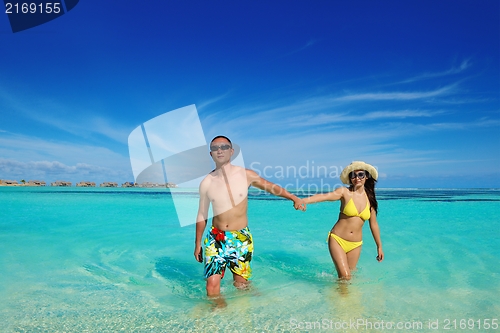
(320, 197)
(265, 185)
(376, 234)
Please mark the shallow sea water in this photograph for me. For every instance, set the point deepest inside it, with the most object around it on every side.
(116, 260)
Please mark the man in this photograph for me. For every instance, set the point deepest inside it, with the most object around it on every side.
(229, 242)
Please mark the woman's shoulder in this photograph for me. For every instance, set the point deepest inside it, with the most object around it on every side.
(341, 192)
(345, 190)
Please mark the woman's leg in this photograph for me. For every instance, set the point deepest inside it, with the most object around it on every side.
(353, 257)
(339, 258)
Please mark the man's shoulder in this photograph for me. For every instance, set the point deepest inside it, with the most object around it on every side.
(251, 173)
(207, 180)
(237, 168)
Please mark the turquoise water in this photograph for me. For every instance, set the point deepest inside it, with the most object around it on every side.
(116, 260)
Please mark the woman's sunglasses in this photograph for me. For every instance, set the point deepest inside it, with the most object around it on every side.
(360, 175)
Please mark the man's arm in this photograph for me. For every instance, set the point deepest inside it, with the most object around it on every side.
(201, 219)
(255, 180)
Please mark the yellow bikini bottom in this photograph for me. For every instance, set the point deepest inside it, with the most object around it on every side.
(345, 244)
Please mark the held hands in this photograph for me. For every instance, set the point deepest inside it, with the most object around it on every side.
(299, 204)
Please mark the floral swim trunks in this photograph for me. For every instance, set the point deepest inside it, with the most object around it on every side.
(233, 248)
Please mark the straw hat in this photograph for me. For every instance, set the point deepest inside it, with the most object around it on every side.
(357, 165)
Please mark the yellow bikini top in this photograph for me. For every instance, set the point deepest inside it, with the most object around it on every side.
(351, 210)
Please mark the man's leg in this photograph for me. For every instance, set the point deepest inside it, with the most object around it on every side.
(240, 282)
(213, 285)
(214, 264)
(213, 291)
(241, 259)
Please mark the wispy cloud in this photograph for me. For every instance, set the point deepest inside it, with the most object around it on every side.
(200, 106)
(337, 129)
(85, 125)
(53, 167)
(55, 170)
(317, 111)
(482, 122)
(26, 149)
(348, 117)
(401, 114)
(329, 110)
(305, 46)
(398, 96)
(82, 123)
(429, 75)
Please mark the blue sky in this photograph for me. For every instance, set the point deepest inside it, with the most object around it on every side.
(412, 87)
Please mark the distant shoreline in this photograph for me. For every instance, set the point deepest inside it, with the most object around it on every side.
(30, 185)
(86, 184)
(388, 189)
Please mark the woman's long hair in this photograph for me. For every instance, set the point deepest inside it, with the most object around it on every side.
(370, 191)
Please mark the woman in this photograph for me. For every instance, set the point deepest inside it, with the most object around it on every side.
(358, 203)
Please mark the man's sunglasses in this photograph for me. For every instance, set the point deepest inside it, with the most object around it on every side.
(360, 175)
(222, 147)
